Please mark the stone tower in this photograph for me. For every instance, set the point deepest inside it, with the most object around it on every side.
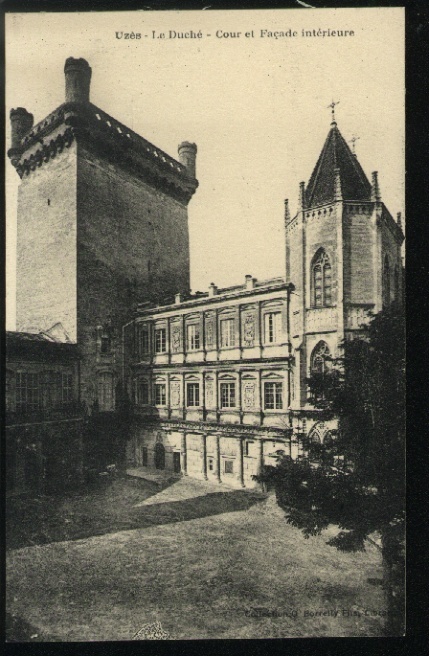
(102, 224)
(342, 254)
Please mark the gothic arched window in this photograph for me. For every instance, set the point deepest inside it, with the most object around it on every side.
(320, 363)
(386, 282)
(321, 280)
(320, 358)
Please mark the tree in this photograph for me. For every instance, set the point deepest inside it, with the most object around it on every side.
(357, 481)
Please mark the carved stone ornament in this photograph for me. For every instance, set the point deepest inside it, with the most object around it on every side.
(249, 330)
(176, 338)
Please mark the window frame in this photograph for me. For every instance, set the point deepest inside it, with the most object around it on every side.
(274, 328)
(161, 344)
(143, 343)
(228, 462)
(321, 280)
(227, 336)
(275, 395)
(191, 388)
(231, 398)
(163, 395)
(24, 391)
(193, 342)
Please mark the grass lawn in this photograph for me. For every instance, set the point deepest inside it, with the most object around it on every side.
(203, 560)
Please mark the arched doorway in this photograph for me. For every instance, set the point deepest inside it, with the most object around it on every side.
(159, 456)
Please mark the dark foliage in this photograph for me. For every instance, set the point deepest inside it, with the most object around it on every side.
(357, 481)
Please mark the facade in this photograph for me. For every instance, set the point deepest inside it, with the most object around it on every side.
(214, 384)
(44, 418)
(218, 381)
(210, 378)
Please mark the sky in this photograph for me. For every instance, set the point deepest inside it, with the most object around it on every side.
(256, 106)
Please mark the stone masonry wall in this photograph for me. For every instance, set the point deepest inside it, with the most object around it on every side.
(133, 246)
(46, 246)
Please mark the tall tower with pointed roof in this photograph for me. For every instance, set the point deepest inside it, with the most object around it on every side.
(102, 224)
(342, 254)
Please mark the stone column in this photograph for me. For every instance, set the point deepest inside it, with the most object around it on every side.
(204, 454)
(184, 455)
(240, 461)
(218, 459)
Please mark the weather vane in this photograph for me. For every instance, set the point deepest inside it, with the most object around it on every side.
(332, 106)
(353, 142)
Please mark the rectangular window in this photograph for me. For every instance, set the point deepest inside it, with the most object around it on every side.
(273, 396)
(28, 392)
(142, 391)
(160, 394)
(210, 464)
(228, 466)
(67, 388)
(272, 327)
(227, 332)
(227, 395)
(193, 394)
(160, 340)
(143, 341)
(193, 334)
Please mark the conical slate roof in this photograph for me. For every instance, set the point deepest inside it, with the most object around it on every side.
(336, 154)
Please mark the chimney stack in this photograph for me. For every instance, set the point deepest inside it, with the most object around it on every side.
(212, 290)
(78, 79)
(21, 122)
(178, 299)
(250, 282)
(187, 156)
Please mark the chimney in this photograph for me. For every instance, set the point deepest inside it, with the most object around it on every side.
(338, 194)
(21, 123)
(178, 299)
(78, 79)
(212, 290)
(187, 155)
(287, 211)
(301, 202)
(375, 189)
(250, 282)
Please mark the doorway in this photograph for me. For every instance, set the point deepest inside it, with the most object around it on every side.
(159, 456)
(176, 462)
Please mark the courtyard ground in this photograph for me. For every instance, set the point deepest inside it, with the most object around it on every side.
(195, 560)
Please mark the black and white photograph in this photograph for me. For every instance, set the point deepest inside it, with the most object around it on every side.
(205, 344)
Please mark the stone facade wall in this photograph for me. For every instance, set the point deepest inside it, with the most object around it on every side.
(46, 246)
(358, 244)
(133, 246)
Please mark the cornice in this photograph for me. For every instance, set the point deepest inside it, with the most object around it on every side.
(212, 427)
(102, 134)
